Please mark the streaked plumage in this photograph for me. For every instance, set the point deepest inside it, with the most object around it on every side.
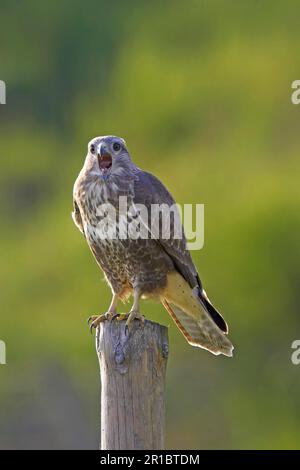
(160, 268)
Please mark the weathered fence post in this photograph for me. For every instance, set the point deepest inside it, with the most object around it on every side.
(133, 369)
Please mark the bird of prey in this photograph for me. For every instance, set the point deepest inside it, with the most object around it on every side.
(156, 267)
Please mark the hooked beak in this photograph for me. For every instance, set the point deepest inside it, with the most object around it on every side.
(104, 159)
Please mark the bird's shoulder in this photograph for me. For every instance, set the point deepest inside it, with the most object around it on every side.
(149, 189)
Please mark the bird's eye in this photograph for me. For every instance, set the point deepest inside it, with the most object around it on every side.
(116, 146)
(92, 149)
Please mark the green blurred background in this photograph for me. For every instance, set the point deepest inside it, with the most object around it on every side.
(201, 92)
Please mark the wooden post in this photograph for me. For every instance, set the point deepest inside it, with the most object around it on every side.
(133, 369)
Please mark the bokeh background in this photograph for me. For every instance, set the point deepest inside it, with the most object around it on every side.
(201, 91)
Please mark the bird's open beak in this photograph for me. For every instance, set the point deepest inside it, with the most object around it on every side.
(104, 159)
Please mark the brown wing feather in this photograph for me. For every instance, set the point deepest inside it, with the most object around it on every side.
(149, 190)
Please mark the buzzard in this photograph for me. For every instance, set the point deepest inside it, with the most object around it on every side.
(147, 266)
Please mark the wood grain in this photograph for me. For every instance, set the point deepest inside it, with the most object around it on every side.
(133, 369)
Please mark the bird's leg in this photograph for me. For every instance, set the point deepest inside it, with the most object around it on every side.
(134, 312)
(95, 320)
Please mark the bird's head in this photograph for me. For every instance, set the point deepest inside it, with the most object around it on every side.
(109, 156)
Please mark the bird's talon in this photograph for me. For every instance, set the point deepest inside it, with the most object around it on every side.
(114, 317)
(95, 320)
(134, 315)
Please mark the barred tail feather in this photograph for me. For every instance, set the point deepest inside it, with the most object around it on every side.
(201, 332)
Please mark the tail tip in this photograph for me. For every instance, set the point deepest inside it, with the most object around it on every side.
(228, 352)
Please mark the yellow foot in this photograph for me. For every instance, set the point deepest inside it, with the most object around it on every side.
(95, 320)
(130, 317)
